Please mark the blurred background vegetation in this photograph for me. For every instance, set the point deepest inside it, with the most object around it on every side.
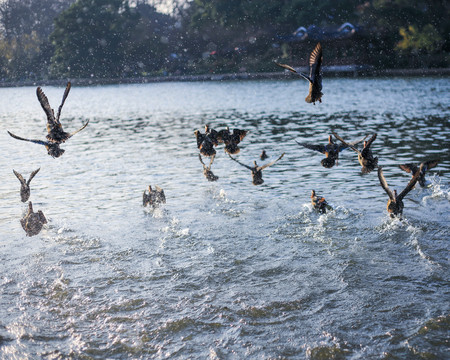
(54, 39)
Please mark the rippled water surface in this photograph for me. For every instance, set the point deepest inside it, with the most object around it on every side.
(226, 270)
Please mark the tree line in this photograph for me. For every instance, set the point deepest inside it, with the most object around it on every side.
(51, 39)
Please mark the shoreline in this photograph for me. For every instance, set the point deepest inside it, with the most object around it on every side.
(344, 71)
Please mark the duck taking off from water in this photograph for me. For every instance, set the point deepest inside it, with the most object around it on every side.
(209, 175)
(231, 140)
(154, 197)
(395, 204)
(315, 75)
(25, 185)
(56, 135)
(33, 222)
(412, 168)
(257, 170)
(207, 141)
(331, 150)
(365, 156)
(319, 203)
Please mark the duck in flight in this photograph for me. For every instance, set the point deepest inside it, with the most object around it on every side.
(412, 168)
(25, 185)
(154, 197)
(319, 203)
(207, 141)
(33, 222)
(257, 170)
(231, 140)
(395, 204)
(365, 156)
(209, 175)
(331, 150)
(315, 75)
(55, 133)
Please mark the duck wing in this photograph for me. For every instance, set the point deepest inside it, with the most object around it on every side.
(384, 184)
(66, 92)
(411, 183)
(19, 176)
(409, 168)
(77, 131)
(223, 136)
(427, 165)
(200, 137)
(248, 167)
(291, 69)
(32, 175)
(269, 164)
(319, 148)
(315, 65)
(161, 194)
(238, 135)
(51, 121)
(40, 142)
(346, 144)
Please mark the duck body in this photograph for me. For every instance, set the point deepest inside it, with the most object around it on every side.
(154, 197)
(33, 222)
(319, 203)
(25, 185)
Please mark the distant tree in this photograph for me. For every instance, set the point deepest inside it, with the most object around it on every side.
(152, 40)
(91, 38)
(24, 29)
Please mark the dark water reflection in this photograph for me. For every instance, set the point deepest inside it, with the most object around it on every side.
(226, 269)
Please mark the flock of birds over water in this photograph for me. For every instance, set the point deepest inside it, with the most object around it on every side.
(33, 222)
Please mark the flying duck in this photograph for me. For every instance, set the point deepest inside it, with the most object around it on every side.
(207, 141)
(331, 150)
(56, 135)
(315, 75)
(33, 222)
(365, 156)
(231, 140)
(395, 204)
(25, 185)
(209, 175)
(257, 170)
(154, 197)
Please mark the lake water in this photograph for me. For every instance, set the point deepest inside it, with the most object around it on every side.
(226, 269)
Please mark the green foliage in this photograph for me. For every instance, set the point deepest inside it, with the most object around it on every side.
(90, 38)
(415, 41)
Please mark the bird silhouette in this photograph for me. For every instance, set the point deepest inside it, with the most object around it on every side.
(263, 155)
(395, 204)
(331, 150)
(25, 185)
(365, 156)
(56, 135)
(257, 170)
(412, 168)
(33, 222)
(319, 203)
(207, 141)
(315, 75)
(207, 169)
(231, 140)
(153, 197)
